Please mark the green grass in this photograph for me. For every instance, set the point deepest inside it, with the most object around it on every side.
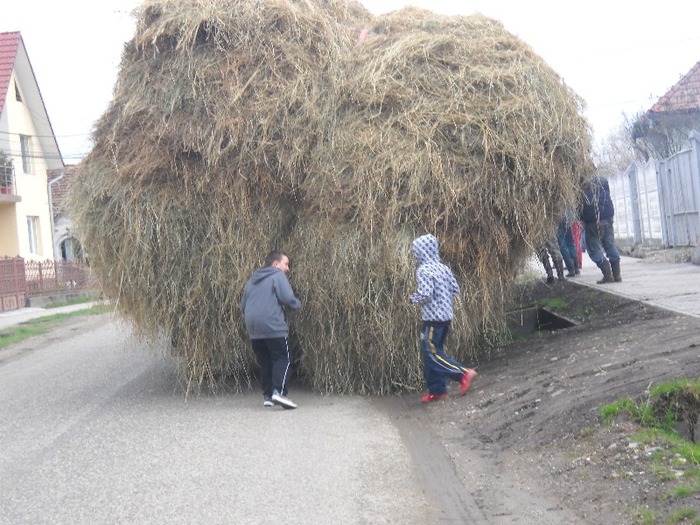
(609, 411)
(683, 491)
(674, 455)
(646, 517)
(70, 302)
(41, 325)
(681, 515)
(553, 303)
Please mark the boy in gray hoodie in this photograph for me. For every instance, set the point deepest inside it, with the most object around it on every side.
(265, 297)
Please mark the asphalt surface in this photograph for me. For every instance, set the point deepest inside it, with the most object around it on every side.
(94, 429)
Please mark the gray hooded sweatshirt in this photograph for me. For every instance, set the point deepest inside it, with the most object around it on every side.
(265, 296)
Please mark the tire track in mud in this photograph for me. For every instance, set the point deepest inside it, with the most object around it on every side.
(451, 501)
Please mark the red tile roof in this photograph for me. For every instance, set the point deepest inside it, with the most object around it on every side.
(684, 96)
(60, 188)
(9, 43)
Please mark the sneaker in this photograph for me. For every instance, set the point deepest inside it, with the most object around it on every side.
(466, 380)
(283, 401)
(427, 398)
(267, 401)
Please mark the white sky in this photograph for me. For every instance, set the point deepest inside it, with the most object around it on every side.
(619, 55)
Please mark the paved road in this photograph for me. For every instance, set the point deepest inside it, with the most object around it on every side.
(93, 429)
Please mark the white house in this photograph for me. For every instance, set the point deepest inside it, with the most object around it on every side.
(28, 141)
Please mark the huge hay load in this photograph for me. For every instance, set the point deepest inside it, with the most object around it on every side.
(449, 125)
(307, 125)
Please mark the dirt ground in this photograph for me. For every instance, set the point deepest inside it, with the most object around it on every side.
(527, 440)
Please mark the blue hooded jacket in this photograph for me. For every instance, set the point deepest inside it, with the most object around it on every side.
(265, 296)
(436, 284)
(597, 204)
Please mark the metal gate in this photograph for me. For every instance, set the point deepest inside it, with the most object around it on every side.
(679, 180)
(13, 284)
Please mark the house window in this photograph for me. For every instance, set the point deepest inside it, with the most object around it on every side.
(18, 95)
(26, 160)
(33, 231)
(6, 178)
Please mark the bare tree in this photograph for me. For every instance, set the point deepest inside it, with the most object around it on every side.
(661, 134)
(617, 151)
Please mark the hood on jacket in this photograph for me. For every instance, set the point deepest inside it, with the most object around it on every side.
(264, 273)
(425, 248)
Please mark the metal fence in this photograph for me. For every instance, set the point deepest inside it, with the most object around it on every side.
(659, 203)
(679, 176)
(21, 280)
(13, 286)
(635, 195)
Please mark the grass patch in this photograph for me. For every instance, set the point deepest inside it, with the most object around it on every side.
(663, 406)
(41, 325)
(553, 303)
(675, 460)
(683, 491)
(70, 302)
(681, 515)
(626, 404)
(646, 517)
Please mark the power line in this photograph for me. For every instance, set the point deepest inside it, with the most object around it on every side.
(45, 136)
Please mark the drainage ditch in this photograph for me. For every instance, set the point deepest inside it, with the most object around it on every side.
(526, 321)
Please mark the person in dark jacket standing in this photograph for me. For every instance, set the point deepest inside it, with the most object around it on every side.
(266, 296)
(436, 288)
(597, 213)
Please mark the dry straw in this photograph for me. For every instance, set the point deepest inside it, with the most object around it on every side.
(241, 126)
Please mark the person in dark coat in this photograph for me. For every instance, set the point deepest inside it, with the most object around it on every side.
(597, 213)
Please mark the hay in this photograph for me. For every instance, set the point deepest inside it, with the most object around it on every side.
(448, 125)
(308, 126)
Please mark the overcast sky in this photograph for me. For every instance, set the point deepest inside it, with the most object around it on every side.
(619, 55)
